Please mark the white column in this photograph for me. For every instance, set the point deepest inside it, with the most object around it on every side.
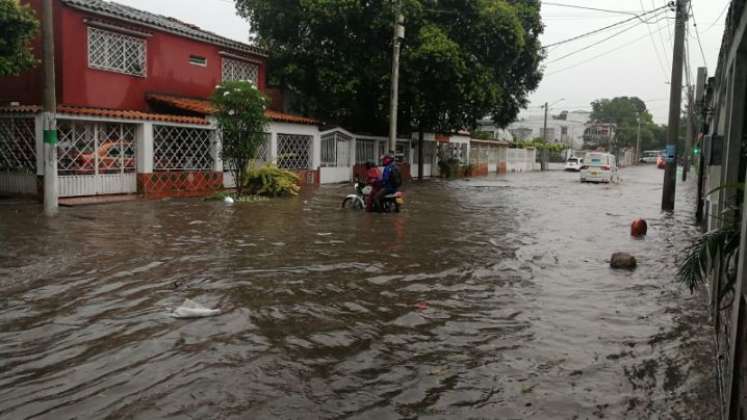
(316, 151)
(273, 146)
(353, 151)
(39, 143)
(216, 146)
(144, 151)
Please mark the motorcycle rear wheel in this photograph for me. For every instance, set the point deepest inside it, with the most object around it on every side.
(350, 203)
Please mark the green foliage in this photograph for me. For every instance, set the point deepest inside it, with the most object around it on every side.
(624, 111)
(714, 249)
(240, 111)
(19, 26)
(461, 59)
(269, 180)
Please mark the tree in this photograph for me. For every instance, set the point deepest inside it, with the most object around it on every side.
(19, 26)
(240, 111)
(624, 112)
(461, 59)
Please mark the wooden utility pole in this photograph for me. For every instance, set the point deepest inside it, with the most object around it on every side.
(690, 134)
(675, 104)
(700, 106)
(399, 35)
(638, 143)
(543, 163)
(49, 109)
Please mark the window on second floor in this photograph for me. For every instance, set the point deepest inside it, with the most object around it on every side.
(198, 60)
(240, 70)
(116, 52)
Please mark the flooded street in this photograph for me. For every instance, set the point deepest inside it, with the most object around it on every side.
(486, 298)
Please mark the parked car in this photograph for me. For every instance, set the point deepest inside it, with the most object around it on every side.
(650, 156)
(574, 164)
(600, 167)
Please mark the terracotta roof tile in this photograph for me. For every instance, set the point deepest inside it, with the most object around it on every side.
(204, 106)
(106, 113)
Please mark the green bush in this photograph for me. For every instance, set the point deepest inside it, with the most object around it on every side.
(269, 180)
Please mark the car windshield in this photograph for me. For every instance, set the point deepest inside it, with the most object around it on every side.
(596, 160)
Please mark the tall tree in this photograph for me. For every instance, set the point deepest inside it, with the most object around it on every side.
(19, 26)
(624, 111)
(461, 59)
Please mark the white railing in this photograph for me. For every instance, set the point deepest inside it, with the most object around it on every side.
(18, 145)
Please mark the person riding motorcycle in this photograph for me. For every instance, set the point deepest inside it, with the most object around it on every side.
(389, 182)
(372, 179)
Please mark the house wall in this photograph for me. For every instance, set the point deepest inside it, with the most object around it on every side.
(168, 68)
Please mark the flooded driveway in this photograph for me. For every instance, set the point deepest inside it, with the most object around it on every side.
(485, 298)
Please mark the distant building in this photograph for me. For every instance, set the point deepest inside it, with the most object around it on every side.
(598, 134)
(567, 128)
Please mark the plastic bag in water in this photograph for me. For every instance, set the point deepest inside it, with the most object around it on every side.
(192, 309)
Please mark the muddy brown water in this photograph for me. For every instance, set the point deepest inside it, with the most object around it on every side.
(486, 298)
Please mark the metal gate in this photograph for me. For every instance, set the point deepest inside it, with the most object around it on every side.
(96, 158)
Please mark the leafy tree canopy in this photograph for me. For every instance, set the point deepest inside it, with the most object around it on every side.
(624, 111)
(19, 26)
(240, 111)
(461, 59)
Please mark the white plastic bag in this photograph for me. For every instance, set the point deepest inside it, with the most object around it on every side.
(192, 309)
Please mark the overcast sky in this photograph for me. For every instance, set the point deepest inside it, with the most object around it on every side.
(625, 65)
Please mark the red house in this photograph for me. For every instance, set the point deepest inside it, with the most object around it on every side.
(133, 115)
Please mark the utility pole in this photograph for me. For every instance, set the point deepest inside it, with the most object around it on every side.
(690, 134)
(700, 107)
(399, 35)
(638, 143)
(49, 109)
(543, 163)
(675, 104)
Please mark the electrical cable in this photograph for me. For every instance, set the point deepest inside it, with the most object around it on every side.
(697, 34)
(574, 6)
(718, 19)
(595, 43)
(584, 35)
(666, 52)
(656, 48)
(613, 50)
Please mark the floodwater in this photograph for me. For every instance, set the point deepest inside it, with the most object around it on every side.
(486, 298)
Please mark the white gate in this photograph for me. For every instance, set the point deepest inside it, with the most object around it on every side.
(96, 158)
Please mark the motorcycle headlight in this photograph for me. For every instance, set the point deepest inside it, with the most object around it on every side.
(357, 185)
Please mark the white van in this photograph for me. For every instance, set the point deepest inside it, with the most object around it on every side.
(599, 167)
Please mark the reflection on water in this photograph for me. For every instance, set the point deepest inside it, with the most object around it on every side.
(485, 298)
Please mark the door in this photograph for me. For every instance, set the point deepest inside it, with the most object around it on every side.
(96, 158)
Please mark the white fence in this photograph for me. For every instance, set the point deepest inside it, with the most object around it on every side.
(18, 156)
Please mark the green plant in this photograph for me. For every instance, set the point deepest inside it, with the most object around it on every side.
(715, 252)
(269, 180)
(20, 26)
(240, 111)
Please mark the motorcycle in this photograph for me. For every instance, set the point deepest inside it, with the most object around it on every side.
(391, 203)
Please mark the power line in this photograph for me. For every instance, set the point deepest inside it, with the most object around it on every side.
(656, 49)
(584, 35)
(574, 6)
(697, 34)
(613, 50)
(596, 43)
(718, 19)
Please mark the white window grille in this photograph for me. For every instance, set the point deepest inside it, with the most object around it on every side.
(91, 148)
(365, 151)
(240, 70)
(17, 145)
(116, 52)
(181, 148)
(336, 150)
(294, 151)
(263, 152)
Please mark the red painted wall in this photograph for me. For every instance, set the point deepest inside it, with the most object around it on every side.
(168, 69)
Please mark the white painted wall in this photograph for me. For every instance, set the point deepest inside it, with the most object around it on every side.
(329, 175)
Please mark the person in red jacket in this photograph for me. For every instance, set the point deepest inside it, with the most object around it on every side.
(372, 179)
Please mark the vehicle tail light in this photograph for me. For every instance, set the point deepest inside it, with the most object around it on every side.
(605, 167)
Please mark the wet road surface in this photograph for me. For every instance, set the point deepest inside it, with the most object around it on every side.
(486, 298)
